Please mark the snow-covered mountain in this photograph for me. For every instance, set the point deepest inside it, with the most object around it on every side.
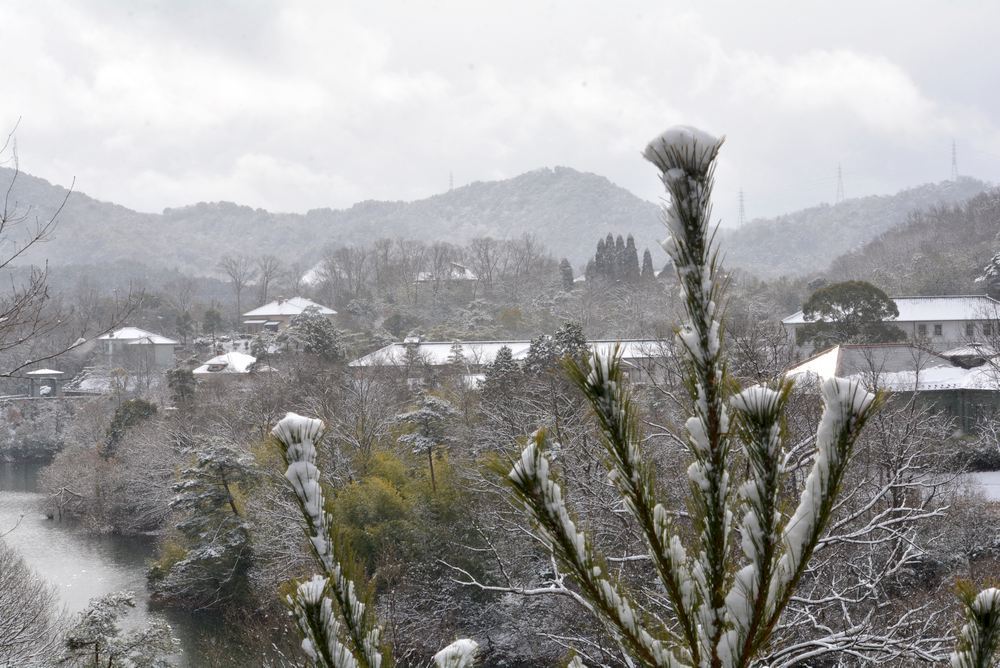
(808, 241)
(567, 210)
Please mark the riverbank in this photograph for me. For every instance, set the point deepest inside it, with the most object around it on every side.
(83, 566)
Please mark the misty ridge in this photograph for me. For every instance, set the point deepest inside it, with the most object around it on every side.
(564, 209)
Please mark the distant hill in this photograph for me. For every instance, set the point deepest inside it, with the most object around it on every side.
(567, 210)
(938, 251)
(807, 241)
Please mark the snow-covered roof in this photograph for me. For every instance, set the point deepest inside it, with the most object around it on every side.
(437, 353)
(934, 309)
(971, 350)
(136, 335)
(287, 307)
(44, 372)
(231, 362)
(896, 367)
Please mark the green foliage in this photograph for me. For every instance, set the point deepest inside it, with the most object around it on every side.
(616, 260)
(312, 333)
(182, 385)
(129, 414)
(852, 311)
(213, 540)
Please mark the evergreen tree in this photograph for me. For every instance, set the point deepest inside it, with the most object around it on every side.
(500, 387)
(312, 333)
(849, 311)
(430, 423)
(630, 270)
(570, 341)
(590, 273)
(601, 261)
(129, 414)
(991, 277)
(182, 385)
(566, 274)
(456, 355)
(648, 274)
(542, 355)
(618, 263)
(214, 538)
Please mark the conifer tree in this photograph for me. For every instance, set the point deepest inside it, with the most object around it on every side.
(213, 532)
(618, 264)
(725, 605)
(648, 273)
(566, 274)
(601, 261)
(630, 270)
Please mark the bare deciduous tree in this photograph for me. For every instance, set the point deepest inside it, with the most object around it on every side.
(241, 273)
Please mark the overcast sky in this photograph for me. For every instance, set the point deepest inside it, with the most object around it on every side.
(292, 106)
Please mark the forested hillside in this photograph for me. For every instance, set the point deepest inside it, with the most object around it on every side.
(564, 208)
(807, 241)
(939, 251)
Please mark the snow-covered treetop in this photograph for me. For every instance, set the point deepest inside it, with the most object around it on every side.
(459, 654)
(682, 145)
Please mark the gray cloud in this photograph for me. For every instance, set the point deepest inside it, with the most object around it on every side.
(292, 106)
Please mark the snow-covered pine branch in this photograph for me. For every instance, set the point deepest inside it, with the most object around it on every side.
(726, 612)
(541, 496)
(459, 654)
(979, 639)
(602, 382)
(327, 606)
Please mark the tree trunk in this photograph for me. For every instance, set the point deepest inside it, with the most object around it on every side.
(430, 461)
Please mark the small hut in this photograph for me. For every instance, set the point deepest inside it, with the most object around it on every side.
(45, 383)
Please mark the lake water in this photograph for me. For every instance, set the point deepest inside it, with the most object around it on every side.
(988, 482)
(83, 566)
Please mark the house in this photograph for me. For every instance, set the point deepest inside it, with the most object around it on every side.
(133, 347)
(276, 316)
(228, 365)
(414, 355)
(938, 323)
(904, 369)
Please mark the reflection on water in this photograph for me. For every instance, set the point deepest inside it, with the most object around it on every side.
(80, 565)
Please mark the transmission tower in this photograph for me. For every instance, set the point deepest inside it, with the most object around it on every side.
(743, 210)
(840, 184)
(954, 161)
